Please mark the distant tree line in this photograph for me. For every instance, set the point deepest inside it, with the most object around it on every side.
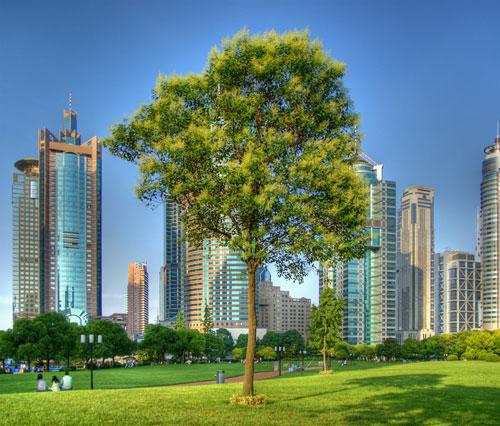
(465, 345)
(51, 337)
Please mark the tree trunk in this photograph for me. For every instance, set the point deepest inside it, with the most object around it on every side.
(48, 362)
(252, 330)
(324, 353)
(67, 364)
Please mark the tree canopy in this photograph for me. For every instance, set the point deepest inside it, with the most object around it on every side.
(258, 150)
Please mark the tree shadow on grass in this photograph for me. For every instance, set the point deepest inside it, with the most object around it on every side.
(422, 399)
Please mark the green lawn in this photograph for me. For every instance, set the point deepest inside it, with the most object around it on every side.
(448, 393)
(129, 377)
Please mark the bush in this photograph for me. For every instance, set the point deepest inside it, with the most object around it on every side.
(255, 400)
(452, 357)
(490, 357)
(469, 355)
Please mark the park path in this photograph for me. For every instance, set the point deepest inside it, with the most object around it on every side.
(257, 376)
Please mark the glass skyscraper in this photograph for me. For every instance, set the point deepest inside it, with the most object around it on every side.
(25, 289)
(70, 222)
(368, 285)
(173, 271)
(489, 237)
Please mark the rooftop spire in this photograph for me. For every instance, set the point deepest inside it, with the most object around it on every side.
(71, 103)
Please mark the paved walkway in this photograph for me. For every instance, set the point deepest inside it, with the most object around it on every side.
(257, 376)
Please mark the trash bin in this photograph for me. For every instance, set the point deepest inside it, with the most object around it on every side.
(219, 377)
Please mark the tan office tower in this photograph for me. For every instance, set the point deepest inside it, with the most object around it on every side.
(278, 311)
(217, 277)
(137, 299)
(416, 264)
(25, 288)
(459, 291)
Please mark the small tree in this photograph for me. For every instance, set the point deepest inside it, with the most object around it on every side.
(6, 346)
(258, 150)
(208, 324)
(180, 322)
(326, 320)
(226, 336)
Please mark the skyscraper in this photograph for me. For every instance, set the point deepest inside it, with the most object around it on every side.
(368, 285)
(173, 271)
(489, 237)
(217, 277)
(416, 264)
(70, 222)
(460, 292)
(25, 289)
(137, 299)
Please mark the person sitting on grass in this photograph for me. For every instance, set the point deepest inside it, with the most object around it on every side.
(41, 385)
(55, 384)
(66, 382)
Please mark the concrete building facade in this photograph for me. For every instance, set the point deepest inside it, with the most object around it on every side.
(416, 264)
(460, 292)
(279, 312)
(137, 299)
(25, 255)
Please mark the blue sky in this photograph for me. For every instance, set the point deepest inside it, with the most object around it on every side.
(423, 76)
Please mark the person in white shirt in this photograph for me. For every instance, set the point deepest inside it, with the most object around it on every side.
(41, 385)
(66, 382)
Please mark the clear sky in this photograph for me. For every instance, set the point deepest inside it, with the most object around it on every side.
(424, 76)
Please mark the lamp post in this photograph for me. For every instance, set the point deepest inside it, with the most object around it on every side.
(302, 352)
(279, 350)
(83, 338)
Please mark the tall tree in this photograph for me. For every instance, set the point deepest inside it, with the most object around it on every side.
(258, 150)
(326, 320)
(208, 324)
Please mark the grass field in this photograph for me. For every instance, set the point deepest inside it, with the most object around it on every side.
(447, 393)
(125, 377)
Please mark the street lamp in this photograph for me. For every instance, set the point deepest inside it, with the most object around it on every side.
(279, 350)
(302, 352)
(83, 338)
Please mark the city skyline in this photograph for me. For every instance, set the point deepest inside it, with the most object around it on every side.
(412, 139)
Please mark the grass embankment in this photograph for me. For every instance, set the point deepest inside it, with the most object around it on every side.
(447, 393)
(129, 377)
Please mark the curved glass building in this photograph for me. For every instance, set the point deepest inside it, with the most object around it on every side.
(489, 237)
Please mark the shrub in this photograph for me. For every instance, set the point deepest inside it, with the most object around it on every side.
(452, 357)
(469, 355)
(254, 400)
(490, 357)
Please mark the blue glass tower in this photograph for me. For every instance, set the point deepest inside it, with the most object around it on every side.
(368, 285)
(172, 273)
(70, 222)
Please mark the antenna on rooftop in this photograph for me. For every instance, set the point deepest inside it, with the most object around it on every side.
(71, 104)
